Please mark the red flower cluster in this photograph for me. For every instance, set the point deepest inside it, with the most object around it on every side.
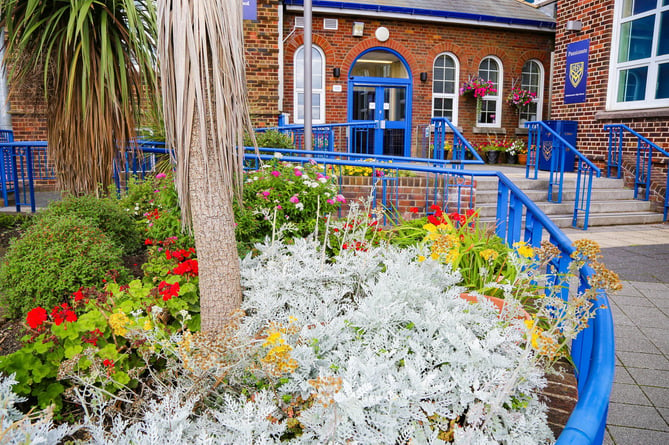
(92, 337)
(62, 313)
(188, 267)
(167, 291)
(458, 219)
(179, 255)
(357, 245)
(153, 214)
(36, 317)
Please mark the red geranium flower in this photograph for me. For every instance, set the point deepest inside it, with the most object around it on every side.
(188, 267)
(36, 317)
(63, 313)
(168, 290)
(413, 209)
(108, 363)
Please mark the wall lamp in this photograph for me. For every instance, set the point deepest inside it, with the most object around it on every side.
(574, 25)
(423, 77)
(336, 72)
(358, 29)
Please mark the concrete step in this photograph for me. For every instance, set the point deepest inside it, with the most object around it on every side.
(610, 219)
(567, 208)
(542, 183)
(490, 196)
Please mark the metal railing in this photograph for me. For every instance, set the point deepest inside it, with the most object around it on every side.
(137, 161)
(593, 350)
(349, 137)
(644, 160)
(21, 164)
(443, 130)
(585, 169)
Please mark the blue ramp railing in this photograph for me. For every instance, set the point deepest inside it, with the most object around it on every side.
(447, 135)
(585, 169)
(644, 160)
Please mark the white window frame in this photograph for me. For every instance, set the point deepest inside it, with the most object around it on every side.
(651, 62)
(320, 91)
(497, 98)
(455, 95)
(539, 99)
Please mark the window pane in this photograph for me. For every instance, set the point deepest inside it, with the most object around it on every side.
(636, 39)
(632, 84)
(663, 41)
(300, 106)
(438, 87)
(530, 77)
(529, 113)
(662, 88)
(443, 107)
(488, 112)
(315, 106)
(380, 64)
(488, 70)
(633, 7)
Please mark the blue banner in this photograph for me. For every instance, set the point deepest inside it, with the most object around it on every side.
(250, 9)
(576, 76)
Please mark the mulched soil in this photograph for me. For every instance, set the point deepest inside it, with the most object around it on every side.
(11, 331)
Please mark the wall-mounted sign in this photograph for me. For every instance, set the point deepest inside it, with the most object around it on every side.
(250, 8)
(576, 77)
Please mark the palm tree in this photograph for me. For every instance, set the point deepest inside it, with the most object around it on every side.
(202, 69)
(95, 60)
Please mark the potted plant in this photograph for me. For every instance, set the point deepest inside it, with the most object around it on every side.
(478, 88)
(520, 98)
(520, 149)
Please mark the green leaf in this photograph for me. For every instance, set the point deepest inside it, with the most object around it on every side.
(72, 350)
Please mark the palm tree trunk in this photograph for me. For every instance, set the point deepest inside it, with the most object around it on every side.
(214, 228)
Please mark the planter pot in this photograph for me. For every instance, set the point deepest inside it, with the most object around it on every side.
(502, 157)
(498, 302)
(492, 156)
(512, 159)
(522, 159)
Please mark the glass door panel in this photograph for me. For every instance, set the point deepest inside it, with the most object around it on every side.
(364, 109)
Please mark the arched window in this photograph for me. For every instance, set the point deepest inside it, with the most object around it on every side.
(490, 114)
(532, 80)
(317, 85)
(445, 78)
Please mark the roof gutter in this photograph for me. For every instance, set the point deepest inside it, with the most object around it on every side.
(362, 9)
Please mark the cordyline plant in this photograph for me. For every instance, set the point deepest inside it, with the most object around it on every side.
(96, 62)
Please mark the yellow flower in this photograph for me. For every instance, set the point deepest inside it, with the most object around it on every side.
(452, 255)
(274, 338)
(147, 325)
(489, 254)
(421, 258)
(118, 322)
(430, 227)
(434, 256)
(524, 250)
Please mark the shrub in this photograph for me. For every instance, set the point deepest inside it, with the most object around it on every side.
(10, 220)
(97, 338)
(53, 257)
(104, 213)
(284, 194)
(271, 139)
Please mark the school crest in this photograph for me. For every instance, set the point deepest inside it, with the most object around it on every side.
(576, 70)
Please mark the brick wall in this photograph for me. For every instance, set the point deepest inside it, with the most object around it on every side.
(419, 43)
(597, 19)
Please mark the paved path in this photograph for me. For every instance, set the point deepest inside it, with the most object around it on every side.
(639, 408)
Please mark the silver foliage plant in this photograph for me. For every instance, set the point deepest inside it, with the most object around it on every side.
(383, 346)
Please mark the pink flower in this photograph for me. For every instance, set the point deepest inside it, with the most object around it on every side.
(340, 198)
(265, 194)
(330, 201)
(275, 173)
(161, 176)
(297, 172)
(294, 199)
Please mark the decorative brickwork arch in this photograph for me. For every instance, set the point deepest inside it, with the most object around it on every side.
(352, 55)
(297, 40)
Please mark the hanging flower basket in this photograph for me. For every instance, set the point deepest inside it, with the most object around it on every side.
(520, 98)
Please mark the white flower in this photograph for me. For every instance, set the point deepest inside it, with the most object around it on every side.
(278, 155)
(299, 206)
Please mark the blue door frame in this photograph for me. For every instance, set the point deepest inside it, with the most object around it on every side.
(381, 85)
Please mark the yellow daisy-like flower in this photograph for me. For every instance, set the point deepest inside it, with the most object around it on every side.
(524, 250)
(118, 322)
(430, 227)
(489, 254)
(274, 338)
(421, 258)
(434, 256)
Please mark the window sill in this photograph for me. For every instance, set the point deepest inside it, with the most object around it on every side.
(632, 114)
(488, 130)
(521, 131)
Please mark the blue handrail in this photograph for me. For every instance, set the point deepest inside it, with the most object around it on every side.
(22, 163)
(460, 145)
(592, 351)
(644, 160)
(584, 171)
(324, 138)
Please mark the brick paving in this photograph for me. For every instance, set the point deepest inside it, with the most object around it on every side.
(639, 408)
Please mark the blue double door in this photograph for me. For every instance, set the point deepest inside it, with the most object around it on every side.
(388, 104)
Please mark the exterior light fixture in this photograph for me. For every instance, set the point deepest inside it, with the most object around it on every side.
(358, 29)
(423, 77)
(336, 72)
(574, 25)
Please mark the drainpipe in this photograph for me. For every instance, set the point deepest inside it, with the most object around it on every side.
(307, 75)
(280, 74)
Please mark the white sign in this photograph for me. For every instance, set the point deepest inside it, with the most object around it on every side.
(336, 88)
